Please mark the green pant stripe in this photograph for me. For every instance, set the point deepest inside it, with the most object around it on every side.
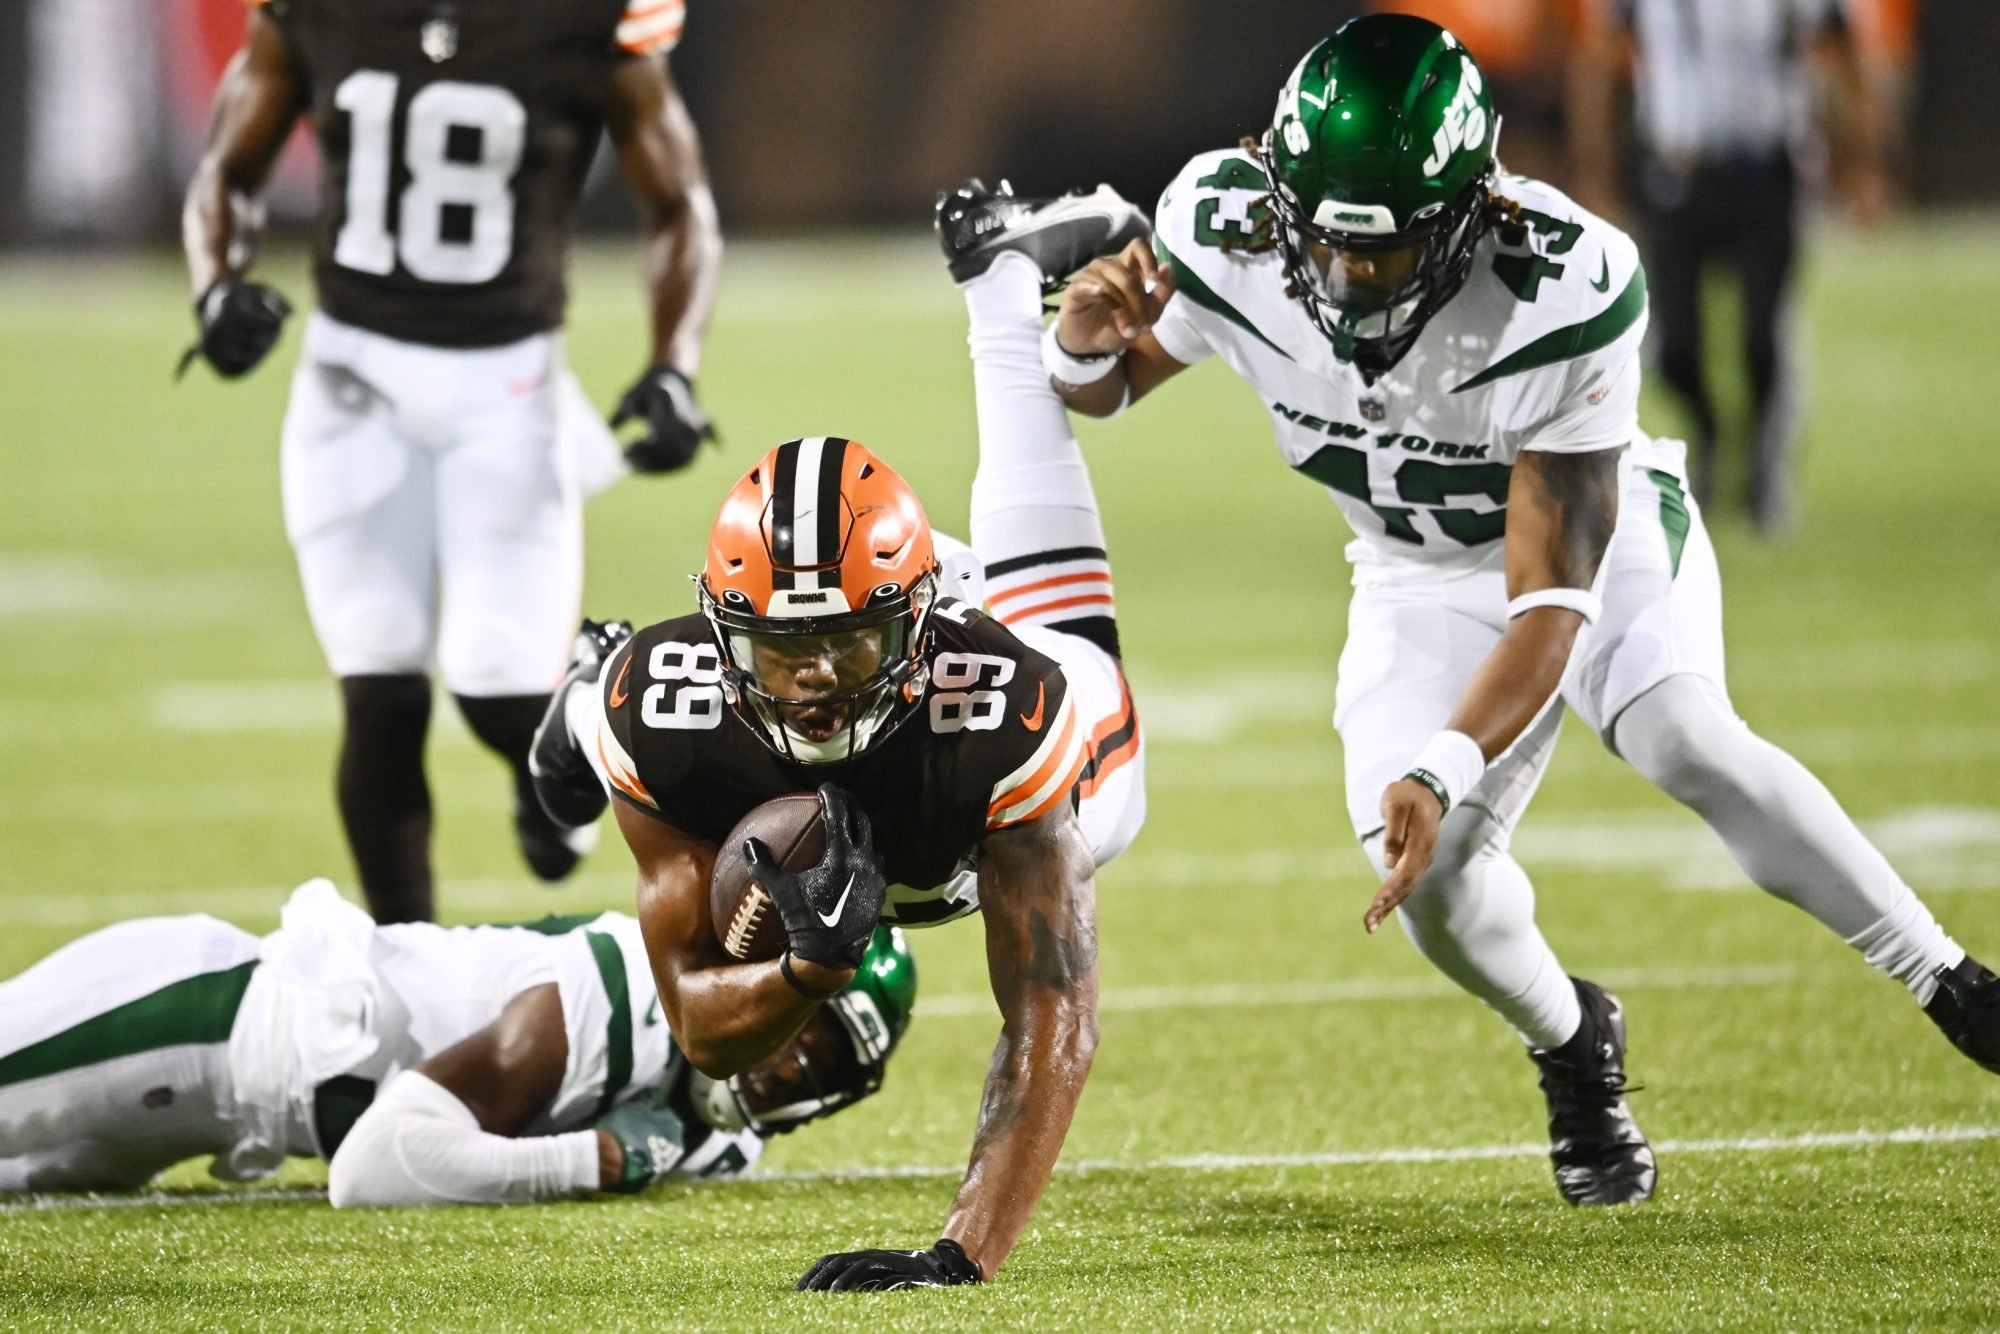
(618, 1032)
(193, 1011)
(1673, 514)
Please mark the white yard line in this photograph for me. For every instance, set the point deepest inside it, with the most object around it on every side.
(1353, 990)
(1205, 1162)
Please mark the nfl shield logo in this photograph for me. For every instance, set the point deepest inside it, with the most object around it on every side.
(439, 40)
(1374, 409)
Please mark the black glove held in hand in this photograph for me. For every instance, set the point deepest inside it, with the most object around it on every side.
(830, 908)
(240, 323)
(942, 1266)
(675, 424)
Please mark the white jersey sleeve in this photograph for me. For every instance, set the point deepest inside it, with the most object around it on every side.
(618, 1040)
(1565, 376)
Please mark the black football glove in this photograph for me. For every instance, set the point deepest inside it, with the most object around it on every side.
(830, 908)
(240, 323)
(942, 1266)
(565, 784)
(663, 398)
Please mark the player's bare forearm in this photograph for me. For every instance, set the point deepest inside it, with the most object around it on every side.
(1038, 897)
(1110, 307)
(659, 152)
(256, 103)
(726, 1016)
(1561, 510)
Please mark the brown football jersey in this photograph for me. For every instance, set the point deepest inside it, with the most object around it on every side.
(454, 137)
(995, 741)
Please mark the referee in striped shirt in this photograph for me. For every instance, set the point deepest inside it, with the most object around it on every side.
(1727, 96)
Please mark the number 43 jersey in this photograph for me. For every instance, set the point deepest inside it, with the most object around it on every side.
(1000, 736)
(454, 139)
(1538, 350)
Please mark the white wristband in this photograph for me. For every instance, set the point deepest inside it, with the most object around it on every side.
(1452, 763)
(1071, 369)
(1579, 600)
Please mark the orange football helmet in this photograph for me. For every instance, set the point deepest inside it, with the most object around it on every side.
(819, 586)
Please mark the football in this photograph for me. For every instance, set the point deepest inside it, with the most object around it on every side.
(746, 920)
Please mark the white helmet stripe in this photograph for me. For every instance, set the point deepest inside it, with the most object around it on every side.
(804, 517)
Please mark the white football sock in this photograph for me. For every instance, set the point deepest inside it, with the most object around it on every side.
(1782, 826)
(1035, 523)
(1473, 916)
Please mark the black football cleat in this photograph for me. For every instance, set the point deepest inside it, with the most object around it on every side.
(1600, 1155)
(976, 225)
(551, 850)
(1966, 1008)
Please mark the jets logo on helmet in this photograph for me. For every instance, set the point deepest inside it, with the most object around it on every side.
(818, 588)
(1380, 157)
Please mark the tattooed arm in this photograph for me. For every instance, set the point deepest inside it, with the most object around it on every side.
(1561, 509)
(1038, 894)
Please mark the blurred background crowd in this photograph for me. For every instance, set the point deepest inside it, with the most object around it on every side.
(853, 113)
(1709, 128)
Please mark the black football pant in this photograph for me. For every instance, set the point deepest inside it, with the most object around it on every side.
(1741, 213)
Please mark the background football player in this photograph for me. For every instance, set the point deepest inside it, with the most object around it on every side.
(963, 765)
(436, 449)
(432, 1065)
(1454, 354)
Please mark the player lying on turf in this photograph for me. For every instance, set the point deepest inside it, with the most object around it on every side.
(1454, 354)
(967, 764)
(489, 1064)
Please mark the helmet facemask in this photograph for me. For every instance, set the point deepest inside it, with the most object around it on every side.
(824, 689)
(1368, 287)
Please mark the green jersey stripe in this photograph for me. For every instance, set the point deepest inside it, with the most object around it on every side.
(1673, 514)
(1194, 289)
(1573, 340)
(555, 924)
(191, 1012)
(618, 1032)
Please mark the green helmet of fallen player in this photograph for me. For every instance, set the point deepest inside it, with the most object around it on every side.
(1381, 158)
(838, 1057)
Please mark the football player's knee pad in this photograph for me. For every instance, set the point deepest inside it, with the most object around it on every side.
(367, 634)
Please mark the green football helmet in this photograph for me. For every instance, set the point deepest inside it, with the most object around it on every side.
(836, 1060)
(1381, 159)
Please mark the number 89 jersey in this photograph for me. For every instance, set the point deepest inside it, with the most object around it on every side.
(998, 738)
(454, 140)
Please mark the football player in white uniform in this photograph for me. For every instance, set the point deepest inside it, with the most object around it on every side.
(1454, 353)
(430, 1065)
(436, 450)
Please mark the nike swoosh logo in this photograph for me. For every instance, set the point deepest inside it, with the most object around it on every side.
(618, 694)
(1602, 282)
(653, 1012)
(1033, 721)
(829, 918)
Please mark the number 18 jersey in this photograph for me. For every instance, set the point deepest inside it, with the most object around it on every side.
(454, 140)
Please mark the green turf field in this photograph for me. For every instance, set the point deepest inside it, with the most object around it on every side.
(1290, 1123)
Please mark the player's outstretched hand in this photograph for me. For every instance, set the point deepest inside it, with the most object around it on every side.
(663, 399)
(650, 1141)
(942, 1266)
(1115, 299)
(1411, 814)
(240, 323)
(830, 908)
